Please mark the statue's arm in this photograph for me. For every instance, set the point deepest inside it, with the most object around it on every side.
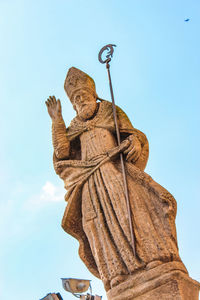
(59, 139)
(138, 149)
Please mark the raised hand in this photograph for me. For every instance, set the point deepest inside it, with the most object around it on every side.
(54, 108)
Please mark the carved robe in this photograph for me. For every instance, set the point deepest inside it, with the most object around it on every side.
(96, 213)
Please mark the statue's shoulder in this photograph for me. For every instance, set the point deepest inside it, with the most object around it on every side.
(107, 106)
(74, 129)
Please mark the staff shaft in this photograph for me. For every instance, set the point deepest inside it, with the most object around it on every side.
(122, 161)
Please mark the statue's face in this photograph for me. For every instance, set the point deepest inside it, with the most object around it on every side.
(84, 104)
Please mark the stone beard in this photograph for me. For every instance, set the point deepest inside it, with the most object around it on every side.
(86, 157)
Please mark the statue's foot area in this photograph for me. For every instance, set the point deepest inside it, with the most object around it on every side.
(165, 281)
(117, 280)
(114, 282)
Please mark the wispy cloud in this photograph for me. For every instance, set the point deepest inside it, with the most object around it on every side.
(49, 193)
(21, 211)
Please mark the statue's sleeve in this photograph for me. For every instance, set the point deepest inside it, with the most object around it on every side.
(61, 144)
(126, 128)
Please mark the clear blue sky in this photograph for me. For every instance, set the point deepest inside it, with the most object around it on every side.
(155, 73)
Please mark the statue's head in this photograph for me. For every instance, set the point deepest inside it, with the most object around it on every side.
(80, 89)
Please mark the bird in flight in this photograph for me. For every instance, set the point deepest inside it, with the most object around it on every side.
(186, 20)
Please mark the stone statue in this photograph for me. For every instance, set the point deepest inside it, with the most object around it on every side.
(86, 157)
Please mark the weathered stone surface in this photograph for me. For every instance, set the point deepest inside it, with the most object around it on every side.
(86, 157)
(168, 281)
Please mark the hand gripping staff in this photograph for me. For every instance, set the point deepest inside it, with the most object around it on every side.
(110, 50)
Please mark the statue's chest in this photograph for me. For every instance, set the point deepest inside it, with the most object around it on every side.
(96, 141)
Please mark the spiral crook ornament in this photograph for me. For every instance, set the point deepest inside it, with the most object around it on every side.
(109, 55)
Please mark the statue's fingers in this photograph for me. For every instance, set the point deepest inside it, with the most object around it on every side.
(129, 149)
(126, 151)
(131, 155)
(59, 105)
(134, 156)
(51, 100)
(54, 99)
(47, 103)
(131, 158)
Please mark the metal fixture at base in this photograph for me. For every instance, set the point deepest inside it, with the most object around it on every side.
(77, 286)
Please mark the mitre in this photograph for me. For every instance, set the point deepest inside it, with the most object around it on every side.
(77, 80)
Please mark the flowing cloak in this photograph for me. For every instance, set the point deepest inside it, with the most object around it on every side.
(76, 171)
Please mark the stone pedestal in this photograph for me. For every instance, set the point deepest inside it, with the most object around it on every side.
(168, 281)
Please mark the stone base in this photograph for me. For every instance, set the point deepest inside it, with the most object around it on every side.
(168, 281)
